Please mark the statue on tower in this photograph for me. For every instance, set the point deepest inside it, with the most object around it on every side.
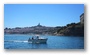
(39, 25)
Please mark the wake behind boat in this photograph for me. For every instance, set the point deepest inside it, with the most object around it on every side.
(37, 39)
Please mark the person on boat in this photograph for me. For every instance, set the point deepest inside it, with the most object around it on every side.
(37, 37)
(32, 37)
(28, 39)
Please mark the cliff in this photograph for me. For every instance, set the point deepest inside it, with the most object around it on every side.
(73, 29)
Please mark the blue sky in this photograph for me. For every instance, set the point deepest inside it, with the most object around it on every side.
(27, 15)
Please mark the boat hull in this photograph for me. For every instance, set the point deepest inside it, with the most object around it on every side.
(37, 41)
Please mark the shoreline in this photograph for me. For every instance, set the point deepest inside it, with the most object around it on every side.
(45, 35)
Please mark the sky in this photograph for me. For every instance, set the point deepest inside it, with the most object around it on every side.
(27, 15)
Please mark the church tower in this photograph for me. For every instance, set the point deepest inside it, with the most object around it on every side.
(39, 25)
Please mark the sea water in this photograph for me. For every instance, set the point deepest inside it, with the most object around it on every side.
(18, 41)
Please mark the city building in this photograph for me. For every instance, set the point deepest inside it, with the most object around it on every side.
(82, 18)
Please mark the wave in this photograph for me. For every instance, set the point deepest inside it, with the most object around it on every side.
(15, 41)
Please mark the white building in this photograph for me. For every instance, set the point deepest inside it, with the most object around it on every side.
(82, 18)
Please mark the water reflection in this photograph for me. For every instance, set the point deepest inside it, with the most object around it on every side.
(37, 46)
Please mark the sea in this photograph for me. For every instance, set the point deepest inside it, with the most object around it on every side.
(20, 41)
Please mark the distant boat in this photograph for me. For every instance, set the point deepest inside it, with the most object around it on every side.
(37, 39)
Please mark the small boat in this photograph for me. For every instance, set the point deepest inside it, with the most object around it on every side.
(37, 39)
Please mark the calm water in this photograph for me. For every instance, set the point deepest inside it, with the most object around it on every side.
(53, 42)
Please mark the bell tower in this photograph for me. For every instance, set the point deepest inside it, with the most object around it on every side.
(39, 24)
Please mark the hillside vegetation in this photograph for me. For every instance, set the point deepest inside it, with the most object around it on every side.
(73, 29)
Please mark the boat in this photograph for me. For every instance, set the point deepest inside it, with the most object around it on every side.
(37, 39)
